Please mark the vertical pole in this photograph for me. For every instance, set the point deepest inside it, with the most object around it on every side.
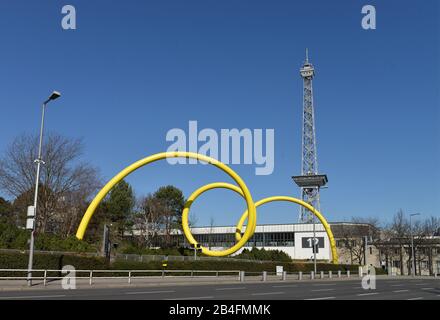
(37, 181)
(314, 244)
(91, 277)
(413, 258)
(45, 277)
(300, 275)
(365, 250)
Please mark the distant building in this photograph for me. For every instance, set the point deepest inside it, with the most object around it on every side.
(294, 239)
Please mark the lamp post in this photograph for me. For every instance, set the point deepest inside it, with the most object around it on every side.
(32, 211)
(413, 257)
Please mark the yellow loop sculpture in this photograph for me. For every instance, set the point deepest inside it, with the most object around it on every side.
(164, 155)
(243, 239)
(250, 214)
(186, 230)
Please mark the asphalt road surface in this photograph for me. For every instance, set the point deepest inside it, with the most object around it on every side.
(402, 289)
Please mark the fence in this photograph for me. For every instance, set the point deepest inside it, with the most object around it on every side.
(131, 275)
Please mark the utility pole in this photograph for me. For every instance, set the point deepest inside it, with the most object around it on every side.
(32, 210)
(413, 256)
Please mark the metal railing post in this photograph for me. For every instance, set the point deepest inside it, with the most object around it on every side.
(242, 275)
(129, 277)
(91, 277)
(45, 275)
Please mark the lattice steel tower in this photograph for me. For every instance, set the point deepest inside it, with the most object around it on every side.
(309, 181)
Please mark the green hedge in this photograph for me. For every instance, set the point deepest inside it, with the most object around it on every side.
(56, 262)
(12, 237)
(49, 261)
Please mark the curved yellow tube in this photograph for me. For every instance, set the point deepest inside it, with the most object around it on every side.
(251, 226)
(160, 156)
(241, 242)
(297, 201)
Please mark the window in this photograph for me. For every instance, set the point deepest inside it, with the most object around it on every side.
(424, 264)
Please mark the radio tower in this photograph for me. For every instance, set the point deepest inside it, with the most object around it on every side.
(309, 181)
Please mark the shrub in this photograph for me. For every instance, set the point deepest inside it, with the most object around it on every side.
(263, 254)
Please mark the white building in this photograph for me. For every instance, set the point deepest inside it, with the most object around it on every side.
(294, 239)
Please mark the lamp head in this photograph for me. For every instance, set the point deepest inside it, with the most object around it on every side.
(55, 95)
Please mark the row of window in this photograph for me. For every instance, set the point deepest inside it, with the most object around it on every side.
(263, 239)
(266, 239)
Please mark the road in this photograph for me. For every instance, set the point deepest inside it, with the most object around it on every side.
(386, 289)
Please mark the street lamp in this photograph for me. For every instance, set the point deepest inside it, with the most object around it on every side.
(413, 257)
(32, 210)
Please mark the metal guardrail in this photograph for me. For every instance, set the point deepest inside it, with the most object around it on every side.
(127, 274)
(130, 275)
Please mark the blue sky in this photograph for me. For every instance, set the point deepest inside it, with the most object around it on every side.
(135, 69)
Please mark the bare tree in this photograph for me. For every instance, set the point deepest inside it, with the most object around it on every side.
(399, 231)
(149, 219)
(423, 232)
(66, 182)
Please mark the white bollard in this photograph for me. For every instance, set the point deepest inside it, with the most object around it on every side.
(264, 275)
(339, 273)
(312, 275)
(360, 272)
(348, 273)
(300, 275)
(242, 274)
(284, 275)
(330, 275)
(322, 275)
